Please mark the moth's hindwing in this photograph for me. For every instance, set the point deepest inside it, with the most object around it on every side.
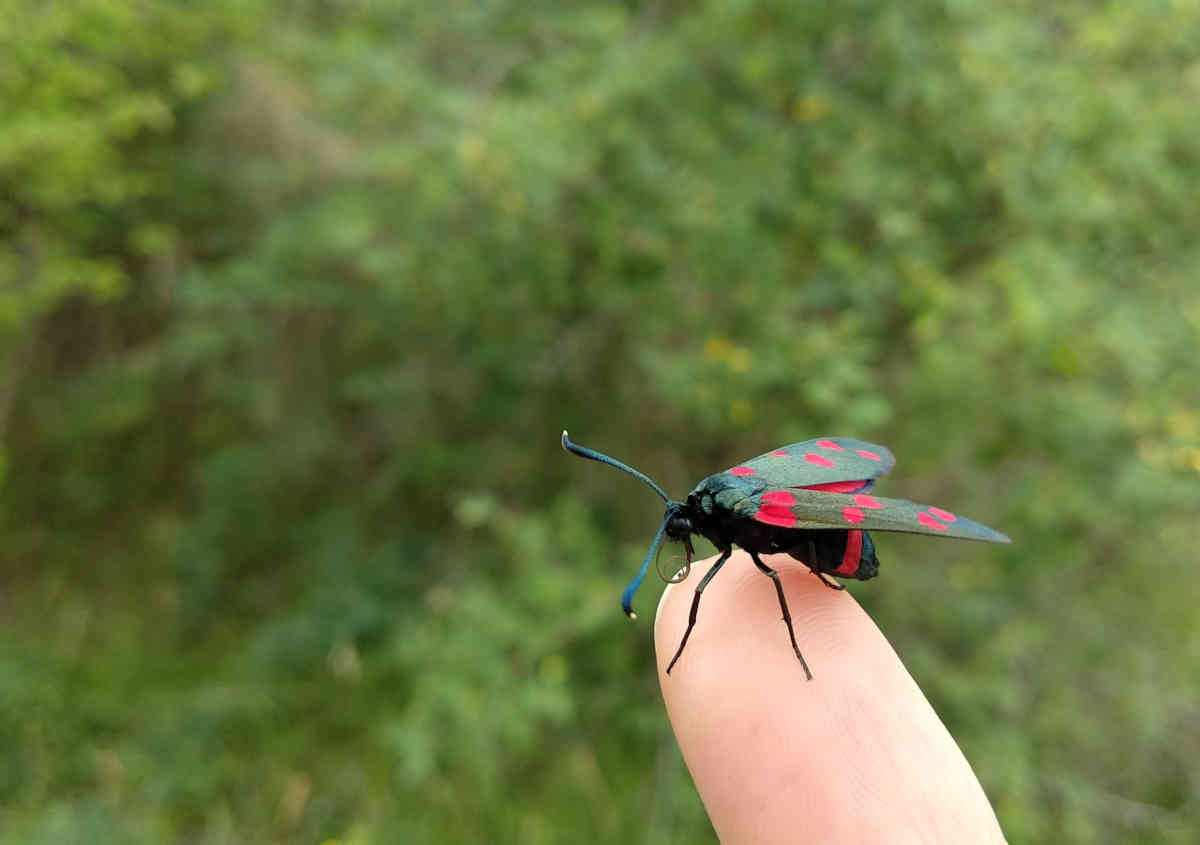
(824, 460)
(788, 507)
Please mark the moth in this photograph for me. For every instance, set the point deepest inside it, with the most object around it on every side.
(809, 500)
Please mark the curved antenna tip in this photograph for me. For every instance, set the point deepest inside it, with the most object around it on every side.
(592, 455)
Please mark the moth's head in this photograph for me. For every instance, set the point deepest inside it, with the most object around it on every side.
(679, 526)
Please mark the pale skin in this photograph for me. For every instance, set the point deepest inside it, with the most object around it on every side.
(855, 755)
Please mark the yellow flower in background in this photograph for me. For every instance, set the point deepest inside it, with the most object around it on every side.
(741, 411)
(1184, 424)
(719, 349)
(810, 107)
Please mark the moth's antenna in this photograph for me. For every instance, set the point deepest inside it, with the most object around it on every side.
(627, 596)
(584, 452)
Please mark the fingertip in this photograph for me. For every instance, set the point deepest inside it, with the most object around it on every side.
(771, 751)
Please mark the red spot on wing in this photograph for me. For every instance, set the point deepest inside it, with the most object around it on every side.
(778, 453)
(741, 471)
(851, 556)
(944, 516)
(864, 501)
(854, 515)
(835, 486)
(779, 497)
(929, 522)
(819, 460)
(870, 456)
(829, 444)
(776, 515)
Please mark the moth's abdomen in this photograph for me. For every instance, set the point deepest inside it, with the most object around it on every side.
(846, 554)
(858, 557)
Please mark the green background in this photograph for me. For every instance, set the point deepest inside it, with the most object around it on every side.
(295, 299)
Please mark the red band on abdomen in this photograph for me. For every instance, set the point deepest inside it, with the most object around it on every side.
(852, 554)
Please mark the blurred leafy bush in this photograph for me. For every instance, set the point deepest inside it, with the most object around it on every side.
(296, 297)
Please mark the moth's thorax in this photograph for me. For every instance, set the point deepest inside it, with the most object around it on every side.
(709, 505)
(711, 493)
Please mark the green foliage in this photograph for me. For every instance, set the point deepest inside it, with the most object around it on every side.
(295, 299)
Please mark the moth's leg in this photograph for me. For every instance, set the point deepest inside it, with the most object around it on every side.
(787, 617)
(833, 585)
(708, 576)
(816, 568)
